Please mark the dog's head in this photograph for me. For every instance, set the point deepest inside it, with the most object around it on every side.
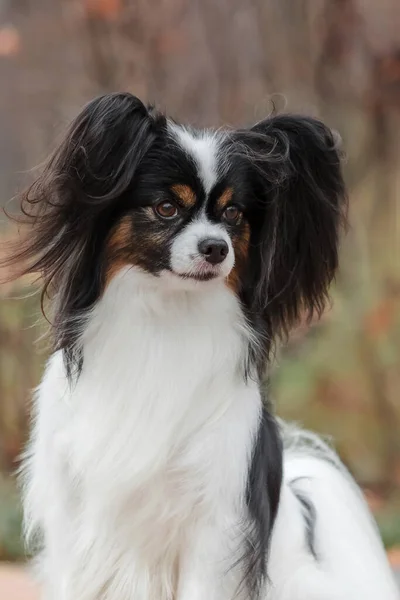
(257, 210)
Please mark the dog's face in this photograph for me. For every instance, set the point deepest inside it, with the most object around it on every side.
(186, 217)
(257, 210)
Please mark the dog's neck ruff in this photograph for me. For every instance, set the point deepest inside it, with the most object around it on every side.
(163, 351)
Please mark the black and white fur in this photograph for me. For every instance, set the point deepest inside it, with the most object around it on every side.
(156, 470)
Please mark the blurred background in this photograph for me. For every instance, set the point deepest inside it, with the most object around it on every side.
(215, 62)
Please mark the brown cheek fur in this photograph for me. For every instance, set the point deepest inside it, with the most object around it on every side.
(122, 251)
(118, 253)
(185, 194)
(240, 243)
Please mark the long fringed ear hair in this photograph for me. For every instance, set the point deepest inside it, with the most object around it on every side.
(300, 205)
(71, 207)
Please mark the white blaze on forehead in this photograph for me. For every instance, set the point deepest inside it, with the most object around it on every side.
(202, 146)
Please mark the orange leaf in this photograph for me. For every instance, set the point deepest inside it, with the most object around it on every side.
(10, 41)
(379, 320)
(106, 9)
(394, 556)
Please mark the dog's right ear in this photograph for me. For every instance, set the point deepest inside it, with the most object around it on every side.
(94, 165)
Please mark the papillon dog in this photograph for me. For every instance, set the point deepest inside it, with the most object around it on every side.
(174, 259)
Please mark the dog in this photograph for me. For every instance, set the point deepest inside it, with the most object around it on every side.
(174, 259)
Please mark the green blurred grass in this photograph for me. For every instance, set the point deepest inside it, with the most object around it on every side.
(389, 524)
(11, 546)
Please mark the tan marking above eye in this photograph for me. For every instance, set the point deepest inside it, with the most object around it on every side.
(185, 194)
(224, 199)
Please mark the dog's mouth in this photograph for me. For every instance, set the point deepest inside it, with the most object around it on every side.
(201, 272)
(199, 276)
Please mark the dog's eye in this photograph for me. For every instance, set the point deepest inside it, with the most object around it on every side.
(166, 210)
(232, 215)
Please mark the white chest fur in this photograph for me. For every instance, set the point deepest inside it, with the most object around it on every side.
(154, 439)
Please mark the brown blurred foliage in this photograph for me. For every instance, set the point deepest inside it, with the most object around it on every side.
(222, 62)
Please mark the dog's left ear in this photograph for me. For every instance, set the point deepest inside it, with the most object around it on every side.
(300, 203)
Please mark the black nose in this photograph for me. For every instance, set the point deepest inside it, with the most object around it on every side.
(214, 251)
